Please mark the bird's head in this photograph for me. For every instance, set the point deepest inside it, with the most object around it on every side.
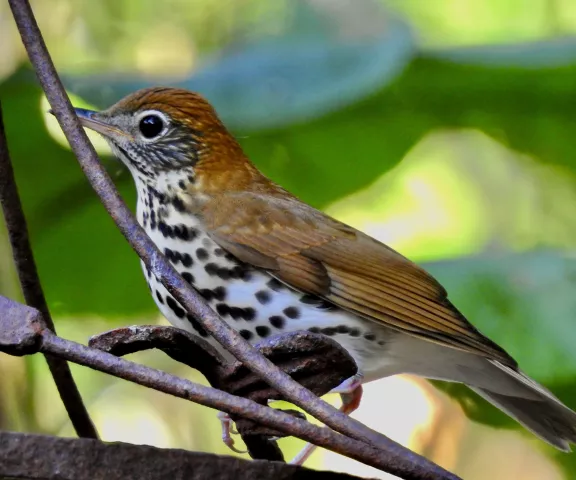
(168, 133)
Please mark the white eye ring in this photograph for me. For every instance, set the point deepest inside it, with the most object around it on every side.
(152, 125)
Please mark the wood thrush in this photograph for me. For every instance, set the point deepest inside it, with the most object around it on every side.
(269, 263)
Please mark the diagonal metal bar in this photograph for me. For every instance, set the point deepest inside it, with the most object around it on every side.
(32, 288)
(408, 464)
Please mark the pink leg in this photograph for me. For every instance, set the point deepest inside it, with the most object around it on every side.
(351, 394)
(226, 430)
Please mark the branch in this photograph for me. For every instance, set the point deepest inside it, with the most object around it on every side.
(32, 288)
(318, 362)
(22, 332)
(402, 461)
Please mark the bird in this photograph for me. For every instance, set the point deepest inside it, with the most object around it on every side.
(268, 263)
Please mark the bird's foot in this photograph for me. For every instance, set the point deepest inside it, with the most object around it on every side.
(351, 394)
(227, 430)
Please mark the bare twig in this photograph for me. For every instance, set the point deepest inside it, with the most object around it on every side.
(32, 289)
(407, 464)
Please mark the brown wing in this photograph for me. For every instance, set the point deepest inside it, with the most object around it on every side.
(316, 254)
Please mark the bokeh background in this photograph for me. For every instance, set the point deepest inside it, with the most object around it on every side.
(446, 128)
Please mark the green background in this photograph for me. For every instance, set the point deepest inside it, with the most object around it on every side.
(356, 107)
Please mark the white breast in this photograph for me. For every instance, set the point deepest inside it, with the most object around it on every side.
(249, 299)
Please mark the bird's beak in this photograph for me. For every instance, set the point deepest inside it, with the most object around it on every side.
(88, 120)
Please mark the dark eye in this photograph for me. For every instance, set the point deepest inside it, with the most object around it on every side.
(151, 126)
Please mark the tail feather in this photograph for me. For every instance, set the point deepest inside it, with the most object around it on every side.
(534, 407)
(505, 386)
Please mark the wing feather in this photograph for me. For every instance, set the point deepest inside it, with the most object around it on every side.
(317, 254)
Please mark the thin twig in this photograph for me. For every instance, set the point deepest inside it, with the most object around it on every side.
(170, 278)
(32, 288)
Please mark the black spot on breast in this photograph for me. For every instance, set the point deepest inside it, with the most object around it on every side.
(211, 269)
(182, 184)
(222, 309)
(181, 231)
(169, 254)
(186, 260)
(188, 277)
(342, 329)
(276, 321)
(219, 252)
(196, 326)
(178, 204)
(249, 314)
(314, 330)
(206, 293)
(219, 293)
(317, 302)
(152, 192)
(370, 336)
(236, 313)
(354, 332)
(292, 312)
(223, 273)
(246, 334)
(226, 273)
(263, 331)
(159, 297)
(202, 254)
(192, 233)
(309, 299)
(166, 230)
(326, 305)
(275, 285)
(178, 311)
(243, 272)
(191, 178)
(328, 331)
(263, 296)
(162, 213)
(236, 272)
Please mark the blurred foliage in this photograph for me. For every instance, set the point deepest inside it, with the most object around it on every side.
(456, 154)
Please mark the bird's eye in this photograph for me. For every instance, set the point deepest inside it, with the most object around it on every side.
(151, 126)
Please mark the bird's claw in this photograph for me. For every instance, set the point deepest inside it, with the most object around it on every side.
(227, 429)
(351, 393)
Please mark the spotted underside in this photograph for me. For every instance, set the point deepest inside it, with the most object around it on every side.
(249, 299)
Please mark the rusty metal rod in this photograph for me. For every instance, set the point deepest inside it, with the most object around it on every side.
(23, 332)
(225, 402)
